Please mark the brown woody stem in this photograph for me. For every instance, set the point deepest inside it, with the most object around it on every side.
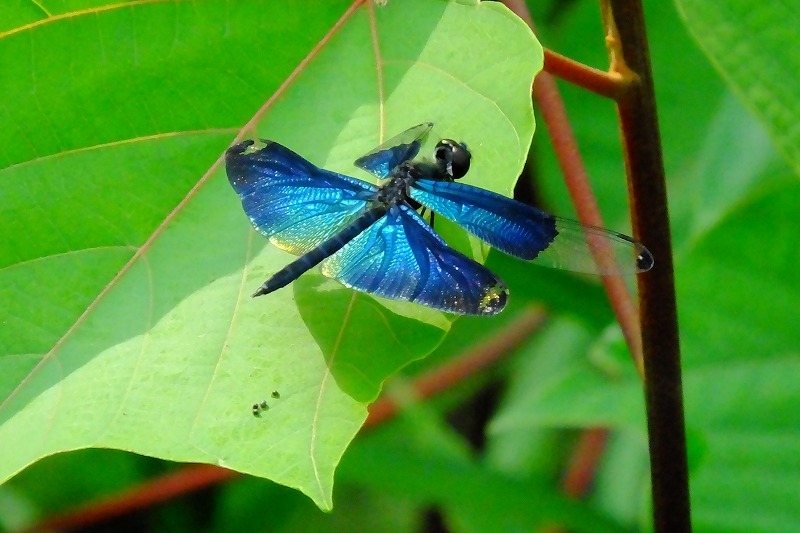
(628, 48)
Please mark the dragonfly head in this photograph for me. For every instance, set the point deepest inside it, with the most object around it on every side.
(452, 158)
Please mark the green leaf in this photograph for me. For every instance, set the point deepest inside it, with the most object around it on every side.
(740, 384)
(738, 152)
(127, 262)
(752, 45)
(419, 462)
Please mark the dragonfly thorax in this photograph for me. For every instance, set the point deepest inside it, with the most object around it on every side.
(451, 162)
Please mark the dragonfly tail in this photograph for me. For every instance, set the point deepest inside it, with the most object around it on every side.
(307, 261)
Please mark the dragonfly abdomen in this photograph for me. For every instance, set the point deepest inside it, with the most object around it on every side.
(309, 260)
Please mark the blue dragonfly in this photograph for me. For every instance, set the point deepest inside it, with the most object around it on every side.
(374, 238)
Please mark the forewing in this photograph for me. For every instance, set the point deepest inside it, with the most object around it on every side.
(400, 257)
(529, 233)
(296, 204)
(382, 160)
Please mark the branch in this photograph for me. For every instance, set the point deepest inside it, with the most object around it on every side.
(628, 49)
(630, 64)
(592, 79)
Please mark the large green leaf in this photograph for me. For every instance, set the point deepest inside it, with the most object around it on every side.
(753, 46)
(127, 263)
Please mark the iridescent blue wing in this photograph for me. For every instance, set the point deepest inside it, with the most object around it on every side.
(400, 257)
(291, 201)
(382, 160)
(529, 233)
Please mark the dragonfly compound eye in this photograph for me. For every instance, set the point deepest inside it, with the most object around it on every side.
(453, 158)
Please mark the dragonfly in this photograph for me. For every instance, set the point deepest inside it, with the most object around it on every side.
(375, 239)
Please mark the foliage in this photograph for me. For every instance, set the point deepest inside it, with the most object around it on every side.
(123, 247)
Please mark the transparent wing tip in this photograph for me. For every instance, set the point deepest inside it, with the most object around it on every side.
(594, 250)
(644, 259)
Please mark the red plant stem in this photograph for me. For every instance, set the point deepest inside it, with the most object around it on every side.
(580, 473)
(576, 178)
(195, 477)
(628, 48)
(163, 488)
(589, 78)
(554, 114)
(478, 357)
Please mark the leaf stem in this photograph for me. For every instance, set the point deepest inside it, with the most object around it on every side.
(595, 80)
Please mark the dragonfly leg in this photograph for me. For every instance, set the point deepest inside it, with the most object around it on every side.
(430, 218)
